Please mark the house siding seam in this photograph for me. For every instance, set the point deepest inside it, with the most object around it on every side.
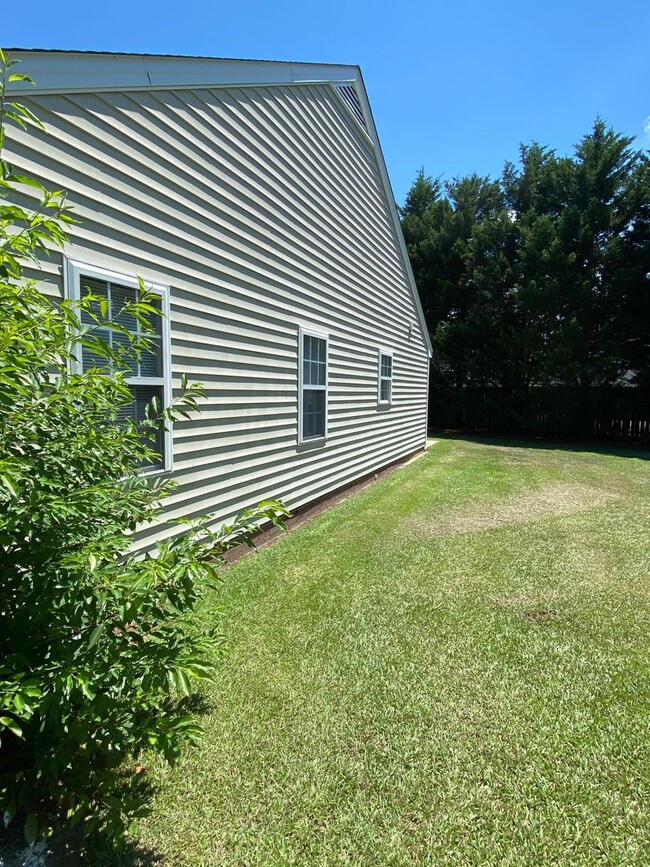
(264, 211)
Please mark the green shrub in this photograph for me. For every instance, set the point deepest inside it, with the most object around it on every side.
(97, 649)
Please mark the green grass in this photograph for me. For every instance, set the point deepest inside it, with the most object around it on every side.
(450, 668)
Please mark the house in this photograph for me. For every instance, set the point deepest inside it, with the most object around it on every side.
(253, 197)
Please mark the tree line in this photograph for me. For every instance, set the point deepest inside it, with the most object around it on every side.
(539, 278)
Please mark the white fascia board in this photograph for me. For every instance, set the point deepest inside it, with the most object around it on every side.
(75, 72)
(392, 207)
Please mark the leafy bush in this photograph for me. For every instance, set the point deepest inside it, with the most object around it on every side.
(97, 649)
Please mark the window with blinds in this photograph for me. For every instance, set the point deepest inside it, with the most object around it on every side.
(312, 399)
(146, 372)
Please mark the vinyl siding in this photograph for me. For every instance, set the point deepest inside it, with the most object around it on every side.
(263, 209)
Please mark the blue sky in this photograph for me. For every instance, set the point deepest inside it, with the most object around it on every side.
(454, 86)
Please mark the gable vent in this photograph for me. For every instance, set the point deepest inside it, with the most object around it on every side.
(349, 94)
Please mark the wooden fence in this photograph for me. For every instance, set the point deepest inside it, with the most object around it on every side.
(619, 414)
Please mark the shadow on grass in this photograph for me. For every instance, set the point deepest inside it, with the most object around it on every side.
(68, 847)
(98, 851)
(599, 447)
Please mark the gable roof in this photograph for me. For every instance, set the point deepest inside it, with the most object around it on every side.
(58, 71)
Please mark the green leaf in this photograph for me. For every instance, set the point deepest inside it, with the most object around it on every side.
(12, 725)
(31, 689)
(25, 179)
(8, 483)
(95, 634)
(86, 690)
(31, 829)
(9, 813)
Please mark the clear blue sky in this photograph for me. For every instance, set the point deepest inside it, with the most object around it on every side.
(454, 85)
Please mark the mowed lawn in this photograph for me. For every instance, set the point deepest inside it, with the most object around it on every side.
(451, 667)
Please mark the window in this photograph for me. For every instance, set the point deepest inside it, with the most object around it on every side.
(385, 378)
(312, 388)
(148, 376)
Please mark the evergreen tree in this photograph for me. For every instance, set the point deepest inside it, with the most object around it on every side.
(540, 278)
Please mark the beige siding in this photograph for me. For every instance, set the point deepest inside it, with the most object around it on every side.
(263, 209)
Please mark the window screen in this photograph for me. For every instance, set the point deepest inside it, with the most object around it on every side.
(313, 387)
(385, 377)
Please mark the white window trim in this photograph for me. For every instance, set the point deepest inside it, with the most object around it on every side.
(72, 273)
(302, 333)
(388, 352)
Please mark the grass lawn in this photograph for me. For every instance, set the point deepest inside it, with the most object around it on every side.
(449, 668)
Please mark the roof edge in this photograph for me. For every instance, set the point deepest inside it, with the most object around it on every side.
(78, 51)
(392, 207)
(61, 71)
